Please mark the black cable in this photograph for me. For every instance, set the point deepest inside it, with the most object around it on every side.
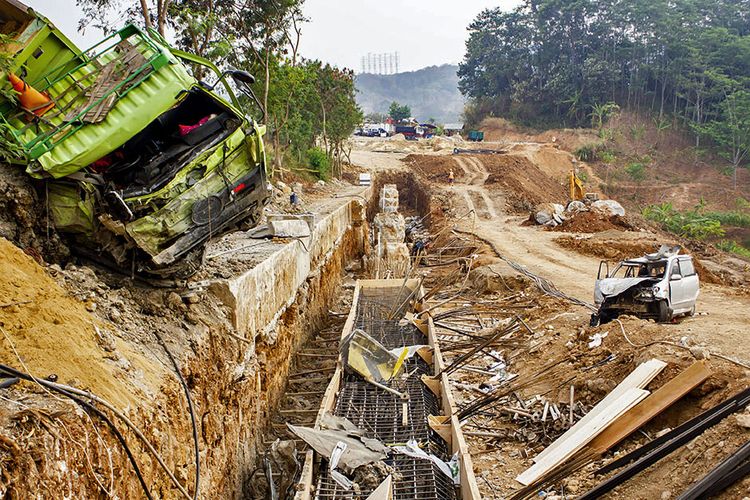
(192, 413)
(22, 375)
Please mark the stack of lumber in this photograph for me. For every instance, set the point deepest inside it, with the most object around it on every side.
(625, 396)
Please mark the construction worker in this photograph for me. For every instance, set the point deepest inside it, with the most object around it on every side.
(450, 176)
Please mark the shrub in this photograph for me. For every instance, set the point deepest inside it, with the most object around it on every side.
(636, 171)
(690, 224)
(607, 156)
(736, 219)
(588, 152)
(732, 246)
(318, 161)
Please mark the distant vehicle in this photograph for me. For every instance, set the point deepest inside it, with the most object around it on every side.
(657, 286)
(371, 132)
(476, 136)
(407, 131)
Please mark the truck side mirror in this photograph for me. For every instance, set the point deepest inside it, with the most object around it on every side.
(240, 76)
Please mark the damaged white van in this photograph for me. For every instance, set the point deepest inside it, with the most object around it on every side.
(658, 286)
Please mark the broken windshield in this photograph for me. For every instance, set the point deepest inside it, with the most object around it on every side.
(640, 270)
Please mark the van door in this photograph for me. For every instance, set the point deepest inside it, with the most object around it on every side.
(690, 282)
(677, 295)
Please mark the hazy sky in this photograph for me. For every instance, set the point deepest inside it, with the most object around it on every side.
(425, 33)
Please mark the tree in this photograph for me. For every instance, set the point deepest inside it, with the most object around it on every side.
(109, 14)
(731, 130)
(399, 112)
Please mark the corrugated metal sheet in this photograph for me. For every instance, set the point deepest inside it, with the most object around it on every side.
(158, 92)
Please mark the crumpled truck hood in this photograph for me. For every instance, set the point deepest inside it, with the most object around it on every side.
(610, 287)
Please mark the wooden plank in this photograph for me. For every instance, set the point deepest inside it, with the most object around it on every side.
(638, 378)
(384, 491)
(656, 403)
(583, 435)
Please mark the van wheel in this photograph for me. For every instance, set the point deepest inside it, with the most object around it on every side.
(594, 321)
(663, 314)
(692, 312)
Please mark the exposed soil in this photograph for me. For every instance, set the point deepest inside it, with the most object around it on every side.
(592, 222)
(23, 218)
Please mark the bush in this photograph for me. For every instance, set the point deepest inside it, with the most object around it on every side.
(736, 219)
(588, 152)
(690, 224)
(732, 246)
(317, 160)
(636, 171)
(607, 156)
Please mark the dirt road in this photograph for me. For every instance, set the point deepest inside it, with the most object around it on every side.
(723, 317)
(723, 312)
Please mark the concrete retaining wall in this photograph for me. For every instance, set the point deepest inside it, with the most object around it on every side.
(259, 296)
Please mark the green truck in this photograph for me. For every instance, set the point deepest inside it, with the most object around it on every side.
(139, 162)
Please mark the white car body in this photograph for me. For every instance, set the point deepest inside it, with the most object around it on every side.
(660, 286)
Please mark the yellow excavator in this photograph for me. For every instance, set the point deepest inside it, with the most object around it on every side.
(576, 187)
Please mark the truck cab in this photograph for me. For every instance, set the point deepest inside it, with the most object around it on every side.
(141, 162)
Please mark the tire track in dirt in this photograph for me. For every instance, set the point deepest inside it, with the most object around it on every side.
(472, 187)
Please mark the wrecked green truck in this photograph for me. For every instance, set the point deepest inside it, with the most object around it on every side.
(139, 162)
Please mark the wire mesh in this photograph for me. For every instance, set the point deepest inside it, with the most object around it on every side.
(381, 414)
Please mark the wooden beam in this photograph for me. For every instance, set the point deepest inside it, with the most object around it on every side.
(574, 442)
(656, 403)
(638, 378)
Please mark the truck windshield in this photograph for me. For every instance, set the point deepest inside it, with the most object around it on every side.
(640, 270)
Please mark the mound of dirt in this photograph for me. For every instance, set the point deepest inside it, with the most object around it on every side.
(55, 334)
(434, 168)
(592, 222)
(524, 184)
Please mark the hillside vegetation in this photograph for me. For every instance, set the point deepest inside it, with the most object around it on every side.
(683, 63)
(430, 93)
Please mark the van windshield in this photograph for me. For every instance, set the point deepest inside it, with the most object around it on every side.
(640, 270)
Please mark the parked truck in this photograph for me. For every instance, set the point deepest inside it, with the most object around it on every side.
(138, 162)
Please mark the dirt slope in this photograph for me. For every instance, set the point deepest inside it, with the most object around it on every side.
(55, 334)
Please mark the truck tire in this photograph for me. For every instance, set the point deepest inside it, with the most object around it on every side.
(663, 314)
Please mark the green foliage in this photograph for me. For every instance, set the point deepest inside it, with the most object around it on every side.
(685, 62)
(607, 157)
(317, 160)
(637, 131)
(742, 204)
(399, 112)
(733, 219)
(636, 171)
(601, 112)
(588, 152)
(732, 246)
(607, 134)
(690, 224)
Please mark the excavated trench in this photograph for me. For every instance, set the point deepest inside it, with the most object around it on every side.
(313, 363)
